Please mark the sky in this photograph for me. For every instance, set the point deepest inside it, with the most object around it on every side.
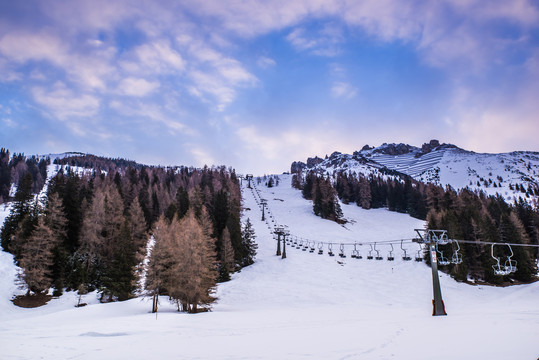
(256, 85)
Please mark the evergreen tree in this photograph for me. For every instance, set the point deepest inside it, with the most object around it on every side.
(20, 210)
(119, 279)
(182, 201)
(248, 243)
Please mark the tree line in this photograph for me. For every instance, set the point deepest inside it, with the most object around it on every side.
(91, 230)
(466, 214)
(14, 167)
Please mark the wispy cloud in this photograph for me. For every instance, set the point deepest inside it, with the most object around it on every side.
(343, 90)
(265, 62)
(137, 87)
(324, 42)
(64, 104)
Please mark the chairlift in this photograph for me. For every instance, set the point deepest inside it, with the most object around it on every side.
(311, 249)
(457, 257)
(369, 255)
(442, 261)
(341, 254)
(419, 255)
(355, 253)
(510, 265)
(498, 269)
(390, 256)
(405, 256)
(378, 257)
(330, 252)
(320, 248)
(299, 244)
(305, 245)
(443, 239)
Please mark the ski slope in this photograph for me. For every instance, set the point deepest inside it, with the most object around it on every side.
(307, 306)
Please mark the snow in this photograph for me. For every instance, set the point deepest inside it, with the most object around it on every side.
(307, 306)
(447, 165)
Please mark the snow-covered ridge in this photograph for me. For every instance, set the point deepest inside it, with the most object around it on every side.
(507, 174)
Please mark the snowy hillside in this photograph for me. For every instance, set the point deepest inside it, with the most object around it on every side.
(307, 306)
(444, 165)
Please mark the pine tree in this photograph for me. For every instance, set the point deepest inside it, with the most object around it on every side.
(248, 243)
(365, 196)
(119, 278)
(21, 209)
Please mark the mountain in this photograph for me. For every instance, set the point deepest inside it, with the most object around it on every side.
(509, 174)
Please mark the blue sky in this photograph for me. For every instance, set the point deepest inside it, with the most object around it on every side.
(258, 84)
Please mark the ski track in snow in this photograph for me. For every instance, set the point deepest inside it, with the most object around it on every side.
(307, 306)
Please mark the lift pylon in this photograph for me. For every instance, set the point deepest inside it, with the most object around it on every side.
(432, 238)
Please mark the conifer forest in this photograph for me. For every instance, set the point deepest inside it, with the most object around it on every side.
(90, 228)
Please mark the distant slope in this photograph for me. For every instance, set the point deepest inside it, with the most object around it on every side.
(509, 174)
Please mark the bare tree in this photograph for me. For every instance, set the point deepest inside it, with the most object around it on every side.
(37, 258)
(182, 263)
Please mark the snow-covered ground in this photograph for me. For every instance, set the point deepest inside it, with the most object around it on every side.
(307, 306)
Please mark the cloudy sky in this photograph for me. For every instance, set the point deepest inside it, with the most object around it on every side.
(257, 84)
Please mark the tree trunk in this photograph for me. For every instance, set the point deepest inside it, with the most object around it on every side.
(154, 304)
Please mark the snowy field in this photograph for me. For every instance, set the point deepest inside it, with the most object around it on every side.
(307, 306)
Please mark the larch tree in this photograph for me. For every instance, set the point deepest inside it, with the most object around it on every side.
(182, 263)
(138, 226)
(56, 220)
(226, 256)
(196, 266)
(163, 259)
(37, 258)
(91, 237)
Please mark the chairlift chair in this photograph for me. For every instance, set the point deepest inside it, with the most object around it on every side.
(498, 269)
(355, 253)
(405, 256)
(457, 257)
(320, 248)
(418, 256)
(442, 261)
(378, 257)
(369, 255)
(510, 265)
(390, 256)
(341, 254)
(330, 252)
